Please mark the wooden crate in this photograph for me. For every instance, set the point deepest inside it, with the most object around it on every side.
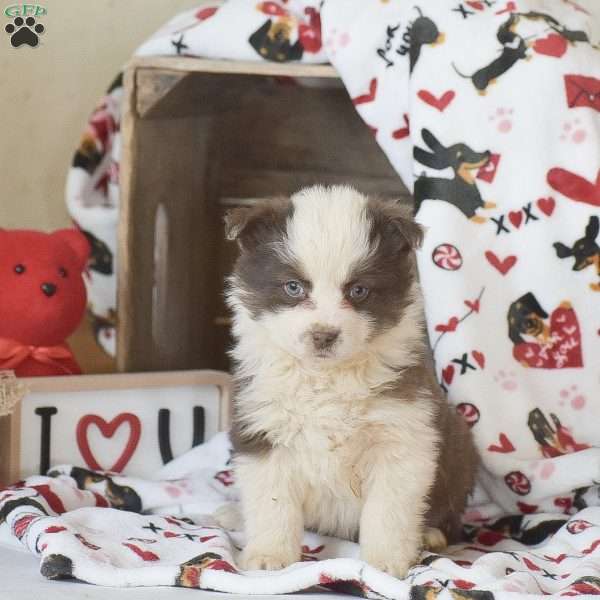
(132, 422)
(200, 136)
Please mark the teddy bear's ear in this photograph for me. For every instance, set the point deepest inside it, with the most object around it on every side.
(77, 242)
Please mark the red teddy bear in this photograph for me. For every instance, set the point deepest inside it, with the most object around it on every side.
(42, 301)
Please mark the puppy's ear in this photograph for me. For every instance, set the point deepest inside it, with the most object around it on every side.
(400, 218)
(253, 224)
(562, 251)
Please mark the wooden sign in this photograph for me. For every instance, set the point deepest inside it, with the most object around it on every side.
(132, 423)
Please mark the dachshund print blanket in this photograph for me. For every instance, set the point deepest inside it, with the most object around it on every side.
(113, 530)
(490, 112)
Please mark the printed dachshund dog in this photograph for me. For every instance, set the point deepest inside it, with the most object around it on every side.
(541, 340)
(422, 32)
(553, 438)
(527, 317)
(121, 497)
(585, 250)
(461, 190)
(514, 49)
(272, 41)
(570, 35)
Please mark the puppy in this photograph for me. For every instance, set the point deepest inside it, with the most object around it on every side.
(339, 424)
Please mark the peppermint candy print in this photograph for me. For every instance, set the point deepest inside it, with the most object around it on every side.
(447, 257)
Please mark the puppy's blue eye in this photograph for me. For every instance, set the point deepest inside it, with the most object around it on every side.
(294, 289)
(20, 269)
(358, 292)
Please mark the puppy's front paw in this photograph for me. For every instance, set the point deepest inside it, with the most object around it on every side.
(268, 559)
(394, 560)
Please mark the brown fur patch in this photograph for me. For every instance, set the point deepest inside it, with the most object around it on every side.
(458, 459)
(262, 268)
(390, 271)
(243, 442)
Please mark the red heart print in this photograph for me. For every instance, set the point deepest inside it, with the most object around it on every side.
(526, 509)
(448, 327)
(510, 7)
(503, 266)
(474, 306)
(206, 13)
(440, 103)
(108, 429)
(546, 205)
(504, 447)
(479, 358)
(515, 217)
(530, 565)
(448, 374)
(402, 132)
(369, 96)
(552, 45)
(272, 8)
(145, 555)
(474, 4)
(574, 186)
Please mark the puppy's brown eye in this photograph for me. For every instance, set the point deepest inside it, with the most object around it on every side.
(294, 289)
(19, 269)
(63, 272)
(358, 292)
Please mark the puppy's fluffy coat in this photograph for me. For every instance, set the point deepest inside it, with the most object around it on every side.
(339, 424)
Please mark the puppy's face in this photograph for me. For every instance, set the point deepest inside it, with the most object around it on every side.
(325, 272)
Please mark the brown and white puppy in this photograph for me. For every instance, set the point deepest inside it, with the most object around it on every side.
(339, 424)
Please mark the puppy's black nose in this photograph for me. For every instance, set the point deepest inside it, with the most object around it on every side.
(49, 289)
(325, 338)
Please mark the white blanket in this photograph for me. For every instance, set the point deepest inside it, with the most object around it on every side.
(71, 521)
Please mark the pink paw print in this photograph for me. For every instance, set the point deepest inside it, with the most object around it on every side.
(502, 119)
(573, 132)
(336, 40)
(506, 380)
(572, 395)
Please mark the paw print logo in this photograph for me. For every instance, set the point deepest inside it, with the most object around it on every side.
(24, 32)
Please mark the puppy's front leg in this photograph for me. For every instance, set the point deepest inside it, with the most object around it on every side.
(391, 524)
(272, 509)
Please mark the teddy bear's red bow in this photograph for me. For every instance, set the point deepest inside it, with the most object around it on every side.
(13, 353)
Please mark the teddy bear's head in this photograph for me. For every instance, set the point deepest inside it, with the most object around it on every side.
(43, 295)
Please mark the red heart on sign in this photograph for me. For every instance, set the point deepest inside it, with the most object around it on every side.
(515, 217)
(504, 447)
(440, 103)
(503, 266)
(546, 205)
(552, 45)
(448, 327)
(448, 374)
(108, 430)
(574, 186)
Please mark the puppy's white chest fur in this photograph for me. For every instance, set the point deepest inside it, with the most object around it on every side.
(328, 425)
